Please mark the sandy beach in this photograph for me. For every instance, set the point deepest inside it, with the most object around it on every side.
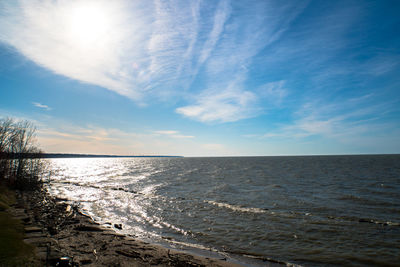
(63, 235)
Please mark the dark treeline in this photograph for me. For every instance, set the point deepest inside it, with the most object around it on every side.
(62, 155)
(17, 141)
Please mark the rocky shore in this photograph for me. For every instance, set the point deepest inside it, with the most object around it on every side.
(63, 236)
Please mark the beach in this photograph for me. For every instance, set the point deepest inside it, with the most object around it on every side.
(62, 234)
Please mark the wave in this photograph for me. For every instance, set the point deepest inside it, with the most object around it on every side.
(177, 229)
(89, 185)
(366, 201)
(361, 220)
(191, 245)
(235, 208)
(388, 223)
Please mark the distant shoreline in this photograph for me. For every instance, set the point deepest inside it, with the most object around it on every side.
(67, 155)
(62, 155)
(72, 155)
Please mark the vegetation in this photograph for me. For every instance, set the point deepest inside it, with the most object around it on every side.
(21, 165)
(13, 251)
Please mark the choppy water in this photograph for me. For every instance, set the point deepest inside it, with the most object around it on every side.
(313, 211)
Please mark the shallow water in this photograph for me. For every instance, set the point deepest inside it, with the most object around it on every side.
(316, 210)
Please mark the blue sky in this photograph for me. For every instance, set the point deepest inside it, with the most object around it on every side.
(204, 78)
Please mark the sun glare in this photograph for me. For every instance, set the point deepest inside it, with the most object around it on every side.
(89, 23)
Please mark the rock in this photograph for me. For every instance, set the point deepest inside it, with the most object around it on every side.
(24, 218)
(52, 230)
(64, 261)
(47, 255)
(32, 229)
(88, 228)
(85, 261)
(68, 209)
(35, 234)
(118, 226)
(130, 254)
(41, 255)
(38, 241)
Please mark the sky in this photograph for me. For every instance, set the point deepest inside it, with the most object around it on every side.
(204, 78)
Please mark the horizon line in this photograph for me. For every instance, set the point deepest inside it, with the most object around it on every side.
(83, 155)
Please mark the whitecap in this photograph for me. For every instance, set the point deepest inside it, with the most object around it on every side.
(236, 208)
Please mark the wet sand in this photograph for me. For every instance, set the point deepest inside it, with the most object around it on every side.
(62, 234)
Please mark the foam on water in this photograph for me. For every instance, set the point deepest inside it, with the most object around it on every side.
(235, 208)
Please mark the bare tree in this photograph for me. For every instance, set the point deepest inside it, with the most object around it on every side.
(6, 130)
(6, 137)
(20, 161)
(23, 138)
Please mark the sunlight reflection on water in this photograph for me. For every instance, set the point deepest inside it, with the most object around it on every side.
(285, 207)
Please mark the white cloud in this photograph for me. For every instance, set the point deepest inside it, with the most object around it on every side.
(234, 103)
(173, 134)
(42, 106)
(226, 106)
(182, 136)
(84, 40)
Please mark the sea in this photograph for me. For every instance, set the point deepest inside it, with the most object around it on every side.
(300, 210)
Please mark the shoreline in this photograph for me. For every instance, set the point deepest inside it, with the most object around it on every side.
(61, 233)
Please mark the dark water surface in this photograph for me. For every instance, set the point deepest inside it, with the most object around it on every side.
(312, 211)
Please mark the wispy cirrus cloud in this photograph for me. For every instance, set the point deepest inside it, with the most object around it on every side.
(274, 92)
(152, 49)
(214, 61)
(337, 49)
(227, 98)
(220, 17)
(355, 121)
